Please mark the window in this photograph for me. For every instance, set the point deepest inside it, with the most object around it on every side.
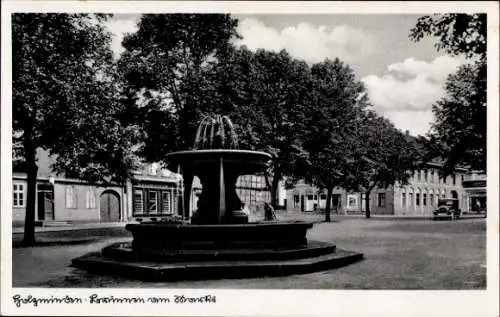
(381, 199)
(315, 197)
(153, 202)
(433, 176)
(18, 195)
(322, 196)
(454, 179)
(425, 175)
(71, 197)
(166, 203)
(431, 199)
(138, 202)
(296, 201)
(410, 199)
(90, 199)
(417, 199)
(153, 168)
(418, 176)
(424, 199)
(309, 197)
(403, 199)
(352, 201)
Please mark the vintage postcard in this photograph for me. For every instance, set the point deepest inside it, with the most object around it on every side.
(280, 158)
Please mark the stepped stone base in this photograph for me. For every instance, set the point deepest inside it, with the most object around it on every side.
(186, 252)
(214, 269)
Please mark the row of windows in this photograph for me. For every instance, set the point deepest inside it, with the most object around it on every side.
(432, 199)
(351, 201)
(71, 197)
(152, 201)
(296, 199)
(432, 176)
(251, 181)
(424, 199)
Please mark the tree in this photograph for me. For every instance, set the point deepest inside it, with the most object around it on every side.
(64, 101)
(386, 156)
(168, 65)
(460, 127)
(269, 92)
(338, 101)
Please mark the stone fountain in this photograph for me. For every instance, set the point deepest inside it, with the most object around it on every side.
(219, 242)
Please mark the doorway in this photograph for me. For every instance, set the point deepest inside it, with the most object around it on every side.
(110, 206)
(336, 203)
(45, 202)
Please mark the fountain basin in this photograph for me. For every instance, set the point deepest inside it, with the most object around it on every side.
(155, 236)
(214, 155)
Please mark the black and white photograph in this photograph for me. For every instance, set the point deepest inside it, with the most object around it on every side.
(226, 158)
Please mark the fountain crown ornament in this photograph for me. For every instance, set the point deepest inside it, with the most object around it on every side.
(215, 132)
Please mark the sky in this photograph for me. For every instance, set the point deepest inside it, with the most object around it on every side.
(403, 78)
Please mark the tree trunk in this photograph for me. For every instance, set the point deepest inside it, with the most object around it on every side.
(32, 171)
(367, 204)
(329, 192)
(367, 201)
(274, 187)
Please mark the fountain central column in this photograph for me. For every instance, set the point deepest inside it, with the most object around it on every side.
(222, 194)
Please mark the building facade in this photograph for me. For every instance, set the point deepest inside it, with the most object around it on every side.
(62, 199)
(475, 187)
(153, 194)
(303, 197)
(150, 193)
(156, 193)
(418, 198)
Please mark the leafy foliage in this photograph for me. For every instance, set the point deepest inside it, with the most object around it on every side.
(65, 100)
(387, 156)
(458, 33)
(460, 127)
(338, 101)
(168, 67)
(269, 94)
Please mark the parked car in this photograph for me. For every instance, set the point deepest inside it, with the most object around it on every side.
(447, 208)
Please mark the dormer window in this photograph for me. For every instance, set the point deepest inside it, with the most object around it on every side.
(153, 169)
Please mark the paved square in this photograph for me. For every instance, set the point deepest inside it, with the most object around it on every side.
(399, 254)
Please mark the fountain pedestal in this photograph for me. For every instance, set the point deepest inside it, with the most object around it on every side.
(218, 171)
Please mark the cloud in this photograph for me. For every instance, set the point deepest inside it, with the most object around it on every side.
(119, 27)
(306, 41)
(411, 85)
(416, 122)
(437, 70)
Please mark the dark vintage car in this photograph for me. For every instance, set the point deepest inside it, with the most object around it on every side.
(447, 208)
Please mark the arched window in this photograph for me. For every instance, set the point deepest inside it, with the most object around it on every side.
(417, 197)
